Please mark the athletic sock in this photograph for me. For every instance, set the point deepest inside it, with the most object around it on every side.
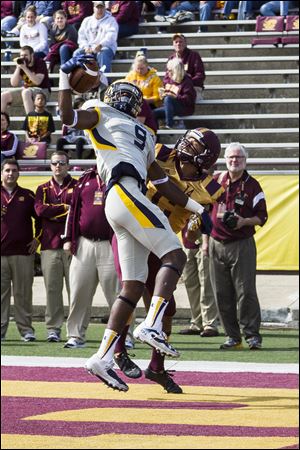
(107, 346)
(156, 312)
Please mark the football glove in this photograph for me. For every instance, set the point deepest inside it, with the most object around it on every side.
(78, 61)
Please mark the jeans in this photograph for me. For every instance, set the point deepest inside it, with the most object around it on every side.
(65, 53)
(245, 8)
(7, 24)
(205, 11)
(104, 57)
(172, 107)
(126, 29)
(274, 8)
(184, 6)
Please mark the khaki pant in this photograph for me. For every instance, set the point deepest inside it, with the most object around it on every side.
(55, 268)
(198, 286)
(17, 273)
(233, 276)
(92, 264)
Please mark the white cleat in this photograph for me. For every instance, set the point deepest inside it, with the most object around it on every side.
(104, 371)
(155, 339)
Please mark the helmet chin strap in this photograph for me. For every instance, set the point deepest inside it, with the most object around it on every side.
(183, 177)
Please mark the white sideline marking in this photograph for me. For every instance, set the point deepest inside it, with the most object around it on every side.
(180, 366)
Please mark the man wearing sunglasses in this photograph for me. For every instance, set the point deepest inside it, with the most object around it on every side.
(53, 200)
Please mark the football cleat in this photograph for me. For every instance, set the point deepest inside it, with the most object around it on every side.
(155, 339)
(164, 379)
(128, 367)
(104, 371)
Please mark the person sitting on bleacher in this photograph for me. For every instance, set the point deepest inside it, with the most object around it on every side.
(44, 11)
(277, 8)
(192, 61)
(98, 34)
(9, 141)
(33, 74)
(34, 33)
(63, 40)
(77, 11)
(146, 78)
(8, 17)
(178, 94)
(127, 15)
(39, 123)
(75, 136)
(245, 9)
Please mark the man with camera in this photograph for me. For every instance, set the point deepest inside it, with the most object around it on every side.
(31, 72)
(232, 250)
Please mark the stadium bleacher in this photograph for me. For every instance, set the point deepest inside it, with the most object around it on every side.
(251, 94)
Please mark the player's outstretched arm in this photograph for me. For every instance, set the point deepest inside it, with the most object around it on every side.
(76, 119)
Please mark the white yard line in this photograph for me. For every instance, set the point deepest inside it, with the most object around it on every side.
(192, 366)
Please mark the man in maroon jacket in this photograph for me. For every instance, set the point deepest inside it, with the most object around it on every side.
(18, 247)
(77, 11)
(52, 204)
(192, 61)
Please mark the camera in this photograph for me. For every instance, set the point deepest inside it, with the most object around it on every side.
(230, 220)
(20, 61)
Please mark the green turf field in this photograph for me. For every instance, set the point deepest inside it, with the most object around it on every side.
(279, 346)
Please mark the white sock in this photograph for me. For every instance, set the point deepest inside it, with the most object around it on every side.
(108, 344)
(156, 312)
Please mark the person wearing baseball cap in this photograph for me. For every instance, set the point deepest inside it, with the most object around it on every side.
(96, 4)
(192, 62)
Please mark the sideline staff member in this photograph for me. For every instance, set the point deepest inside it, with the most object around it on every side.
(232, 250)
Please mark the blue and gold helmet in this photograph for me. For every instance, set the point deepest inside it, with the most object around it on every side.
(125, 97)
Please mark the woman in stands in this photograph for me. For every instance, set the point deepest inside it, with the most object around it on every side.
(34, 33)
(146, 78)
(178, 94)
(9, 141)
(63, 40)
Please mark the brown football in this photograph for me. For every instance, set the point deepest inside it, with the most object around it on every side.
(83, 80)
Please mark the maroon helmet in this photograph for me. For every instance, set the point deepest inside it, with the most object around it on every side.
(191, 152)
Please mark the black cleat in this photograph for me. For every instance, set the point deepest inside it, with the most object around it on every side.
(128, 367)
(164, 379)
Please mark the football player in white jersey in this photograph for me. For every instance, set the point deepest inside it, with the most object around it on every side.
(125, 157)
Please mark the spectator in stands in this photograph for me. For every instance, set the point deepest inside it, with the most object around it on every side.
(39, 123)
(276, 8)
(77, 11)
(178, 94)
(161, 9)
(98, 34)
(63, 40)
(88, 236)
(74, 136)
(232, 250)
(245, 9)
(127, 15)
(9, 141)
(8, 17)
(192, 61)
(146, 78)
(196, 277)
(18, 247)
(146, 116)
(52, 204)
(183, 12)
(33, 73)
(34, 33)
(45, 10)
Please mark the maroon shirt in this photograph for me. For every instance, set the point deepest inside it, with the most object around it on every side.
(87, 216)
(17, 212)
(193, 65)
(77, 11)
(147, 112)
(6, 9)
(184, 92)
(51, 205)
(254, 205)
(39, 66)
(125, 12)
